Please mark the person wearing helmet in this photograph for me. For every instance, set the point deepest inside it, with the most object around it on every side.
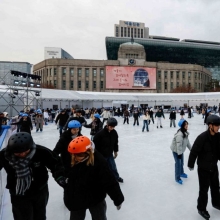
(25, 123)
(106, 142)
(26, 165)
(89, 180)
(96, 125)
(78, 118)
(207, 153)
(178, 147)
(39, 121)
(62, 118)
(62, 144)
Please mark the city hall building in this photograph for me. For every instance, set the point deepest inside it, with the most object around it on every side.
(143, 63)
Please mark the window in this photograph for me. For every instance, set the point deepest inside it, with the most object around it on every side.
(165, 74)
(125, 33)
(55, 83)
(142, 36)
(121, 31)
(201, 75)
(138, 33)
(101, 85)
(171, 85)
(195, 75)
(50, 71)
(189, 84)
(116, 31)
(87, 84)
(177, 74)
(189, 75)
(94, 72)
(159, 85)
(55, 71)
(128, 32)
(171, 74)
(71, 71)
(183, 75)
(64, 84)
(101, 72)
(47, 72)
(177, 84)
(71, 84)
(132, 32)
(94, 84)
(64, 71)
(159, 74)
(165, 85)
(79, 84)
(87, 72)
(198, 75)
(135, 32)
(195, 85)
(79, 73)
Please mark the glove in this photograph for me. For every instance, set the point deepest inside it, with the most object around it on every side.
(62, 181)
(190, 168)
(179, 156)
(119, 207)
(115, 154)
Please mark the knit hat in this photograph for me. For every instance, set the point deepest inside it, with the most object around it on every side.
(181, 123)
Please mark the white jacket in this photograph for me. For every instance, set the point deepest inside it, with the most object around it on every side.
(179, 143)
(46, 115)
(106, 114)
(146, 117)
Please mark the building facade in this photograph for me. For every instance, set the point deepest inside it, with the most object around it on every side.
(7, 66)
(56, 52)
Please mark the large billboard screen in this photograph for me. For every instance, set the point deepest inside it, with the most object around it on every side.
(118, 77)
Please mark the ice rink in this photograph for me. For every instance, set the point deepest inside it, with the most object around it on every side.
(146, 164)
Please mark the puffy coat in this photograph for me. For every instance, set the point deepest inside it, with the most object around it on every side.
(206, 150)
(172, 115)
(88, 185)
(180, 143)
(95, 126)
(42, 160)
(106, 114)
(62, 146)
(106, 142)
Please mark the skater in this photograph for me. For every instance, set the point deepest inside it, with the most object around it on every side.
(62, 144)
(106, 142)
(182, 113)
(106, 115)
(136, 116)
(39, 121)
(151, 112)
(189, 112)
(208, 112)
(46, 117)
(178, 147)
(172, 118)
(206, 151)
(159, 115)
(126, 116)
(89, 180)
(26, 165)
(146, 118)
(96, 125)
(62, 118)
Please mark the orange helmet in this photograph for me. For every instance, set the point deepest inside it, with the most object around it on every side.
(79, 145)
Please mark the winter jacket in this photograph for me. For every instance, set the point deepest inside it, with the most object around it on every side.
(25, 126)
(62, 146)
(206, 150)
(180, 143)
(159, 114)
(39, 121)
(62, 118)
(106, 114)
(172, 115)
(88, 185)
(80, 119)
(182, 112)
(151, 113)
(136, 115)
(95, 126)
(42, 160)
(106, 142)
(126, 113)
(146, 117)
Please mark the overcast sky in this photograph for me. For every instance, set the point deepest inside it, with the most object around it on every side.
(80, 26)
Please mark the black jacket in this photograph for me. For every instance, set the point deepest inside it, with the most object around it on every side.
(172, 115)
(42, 160)
(106, 142)
(95, 126)
(62, 118)
(80, 119)
(61, 149)
(136, 115)
(25, 126)
(206, 150)
(88, 185)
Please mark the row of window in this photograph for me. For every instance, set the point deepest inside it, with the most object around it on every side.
(184, 74)
(79, 84)
(196, 85)
(129, 32)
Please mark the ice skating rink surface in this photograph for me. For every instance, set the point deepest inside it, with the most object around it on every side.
(146, 164)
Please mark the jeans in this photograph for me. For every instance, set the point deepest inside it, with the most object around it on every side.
(61, 129)
(178, 165)
(145, 122)
(172, 121)
(30, 208)
(112, 166)
(98, 212)
(152, 118)
(208, 179)
(45, 120)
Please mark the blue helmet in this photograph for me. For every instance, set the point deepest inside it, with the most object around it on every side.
(24, 115)
(21, 113)
(208, 110)
(96, 115)
(180, 123)
(74, 124)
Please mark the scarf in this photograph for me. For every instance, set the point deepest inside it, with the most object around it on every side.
(22, 170)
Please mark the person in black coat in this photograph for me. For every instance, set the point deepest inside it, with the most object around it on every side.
(26, 166)
(89, 180)
(96, 125)
(106, 142)
(62, 144)
(182, 113)
(24, 123)
(151, 112)
(136, 116)
(172, 118)
(62, 118)
(206, 150)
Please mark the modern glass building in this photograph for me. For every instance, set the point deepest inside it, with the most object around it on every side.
(7, 66)
(172, 50)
